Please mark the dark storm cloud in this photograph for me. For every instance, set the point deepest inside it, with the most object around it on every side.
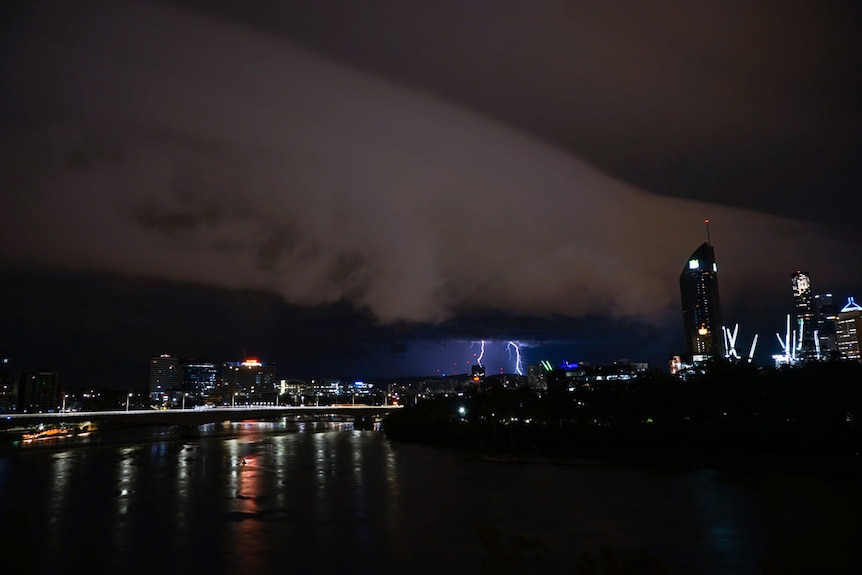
(163, 143)
(752, 104)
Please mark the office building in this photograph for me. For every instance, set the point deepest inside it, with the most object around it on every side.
(849, 330)
(199, 378)
(251, 381)
(803, 303)
(825, 322)
(165, 376)
(39, 391)
(701, 307)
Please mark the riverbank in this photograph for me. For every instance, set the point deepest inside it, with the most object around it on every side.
(750, 446)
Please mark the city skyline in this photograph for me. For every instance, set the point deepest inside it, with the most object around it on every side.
(347, 190)
(440, 358)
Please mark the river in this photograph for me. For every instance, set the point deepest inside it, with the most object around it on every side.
(286, 497)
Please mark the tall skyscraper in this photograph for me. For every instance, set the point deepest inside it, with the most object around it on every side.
(825, 321)
(701, 308)
(803, 300)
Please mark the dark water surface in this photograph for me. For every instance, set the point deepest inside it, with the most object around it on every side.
(324, 498)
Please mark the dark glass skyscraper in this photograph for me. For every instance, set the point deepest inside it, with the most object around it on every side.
(701, 308)
(39, 391)
(199, 377)
(825, 320)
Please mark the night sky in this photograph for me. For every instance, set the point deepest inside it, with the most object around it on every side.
(358, 189)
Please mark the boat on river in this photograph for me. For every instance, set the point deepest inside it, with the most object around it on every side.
(500, 457)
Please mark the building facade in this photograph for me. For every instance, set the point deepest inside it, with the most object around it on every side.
(701, 306)
(250, 381)
(849, 331)
(825, 322)
(8, 384)
(803, 304)
(199, 378)
(165, 376)
(39, 391)
(537, 376)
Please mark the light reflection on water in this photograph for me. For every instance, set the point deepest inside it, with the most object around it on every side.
(62, 463)
(322, 497)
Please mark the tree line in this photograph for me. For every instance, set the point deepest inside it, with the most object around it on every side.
(731, 414)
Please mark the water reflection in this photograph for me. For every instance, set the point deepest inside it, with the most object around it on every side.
(247, 509)
(725, 516)
(62, 464)
(323, 497)
(124, 488)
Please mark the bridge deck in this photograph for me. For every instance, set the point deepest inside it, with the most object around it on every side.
(194, 416)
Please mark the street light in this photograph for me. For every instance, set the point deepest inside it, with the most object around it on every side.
(128, 397)
(233, 401)
(184, 400)
(65, 395)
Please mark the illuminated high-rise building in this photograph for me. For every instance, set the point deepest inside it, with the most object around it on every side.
(803, 300)
(164, 376)
(825, 322)
(251, 380)
(477, 374)
(537, 375)
(199, 377)
(701, 308)
(849, 331)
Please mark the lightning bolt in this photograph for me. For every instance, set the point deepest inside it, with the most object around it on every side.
(481, 353)
(509, 347)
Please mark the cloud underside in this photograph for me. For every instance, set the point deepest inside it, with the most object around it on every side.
(178, 147)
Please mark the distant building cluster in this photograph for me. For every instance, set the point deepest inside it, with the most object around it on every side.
(31, 391)
(174, 383)
(816, 330)
(579, 376)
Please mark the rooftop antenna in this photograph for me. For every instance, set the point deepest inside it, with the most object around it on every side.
(706, 221)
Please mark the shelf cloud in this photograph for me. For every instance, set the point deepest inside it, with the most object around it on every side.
(151, 141)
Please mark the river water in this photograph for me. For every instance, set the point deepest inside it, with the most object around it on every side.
(286, 497)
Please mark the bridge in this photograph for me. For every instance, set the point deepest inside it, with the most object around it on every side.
(195, 416)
